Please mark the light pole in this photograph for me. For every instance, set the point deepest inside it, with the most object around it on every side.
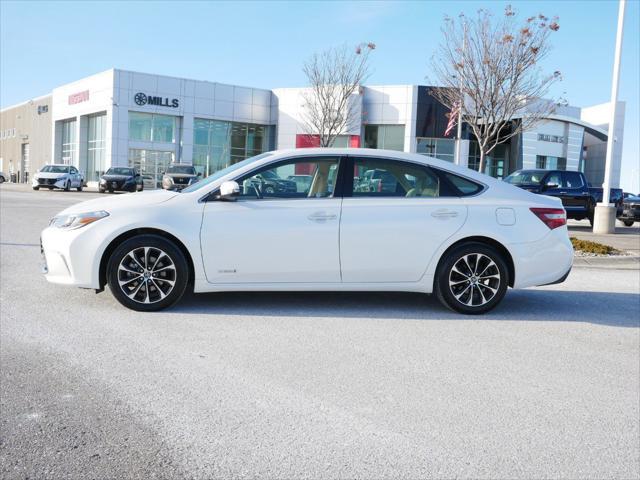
(604, 218)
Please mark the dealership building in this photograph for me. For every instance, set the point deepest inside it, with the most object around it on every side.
(125, 118)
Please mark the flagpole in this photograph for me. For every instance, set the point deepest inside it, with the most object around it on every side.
(460, 106)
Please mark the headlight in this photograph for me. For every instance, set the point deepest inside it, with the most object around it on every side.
(102, 180)
(76, 220)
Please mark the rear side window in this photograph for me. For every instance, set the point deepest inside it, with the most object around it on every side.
(572, 180)
(379, 177)
(464, 186)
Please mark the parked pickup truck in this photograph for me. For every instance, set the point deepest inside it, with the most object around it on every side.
(578, 198)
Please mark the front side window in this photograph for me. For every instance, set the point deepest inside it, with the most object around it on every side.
(306, 177)
(388, 178)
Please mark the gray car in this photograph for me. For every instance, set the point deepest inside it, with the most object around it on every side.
(179, 176)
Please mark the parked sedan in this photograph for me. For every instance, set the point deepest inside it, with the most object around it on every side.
(3, 177)
(437, 228)
(179, 176)
(60, 176)
(125, 179)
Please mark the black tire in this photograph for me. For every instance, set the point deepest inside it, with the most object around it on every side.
(36, 188)
(79, 188)
(140, 187)
(270, 190)
(472, 301)
(67, 186)
(100, 190)
(628, 223)
(2, 180)
(175, 269)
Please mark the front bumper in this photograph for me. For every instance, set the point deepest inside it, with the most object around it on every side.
(59, 266)
(48, 182)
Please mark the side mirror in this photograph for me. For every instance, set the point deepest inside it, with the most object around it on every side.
(229, 191)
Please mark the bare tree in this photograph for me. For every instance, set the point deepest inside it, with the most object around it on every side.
(334, 75)
(491, 68)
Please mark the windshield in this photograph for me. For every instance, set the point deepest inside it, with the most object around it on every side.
(182, 169)
(523, 177)
(225, 171)
(55, 169)
(120, 171)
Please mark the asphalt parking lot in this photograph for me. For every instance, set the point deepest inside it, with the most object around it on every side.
(311, 385)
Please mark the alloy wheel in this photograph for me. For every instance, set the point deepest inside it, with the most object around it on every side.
(147, 275)
(474, 279)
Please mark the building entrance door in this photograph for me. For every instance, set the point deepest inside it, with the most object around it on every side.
(24, 163)
(151, 164)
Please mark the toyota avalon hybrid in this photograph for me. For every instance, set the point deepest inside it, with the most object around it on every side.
(437, 228)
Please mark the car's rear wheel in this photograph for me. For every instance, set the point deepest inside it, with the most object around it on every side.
(147, 273)
(472, 279)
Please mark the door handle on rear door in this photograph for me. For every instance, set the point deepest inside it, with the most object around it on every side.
(444, 214)
(322, 217)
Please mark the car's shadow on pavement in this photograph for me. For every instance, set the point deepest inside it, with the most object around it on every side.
(603, 308)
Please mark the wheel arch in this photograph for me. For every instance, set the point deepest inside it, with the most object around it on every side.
(143, 231)
(508, 258)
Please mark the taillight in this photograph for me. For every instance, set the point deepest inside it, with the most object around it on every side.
(551, 217)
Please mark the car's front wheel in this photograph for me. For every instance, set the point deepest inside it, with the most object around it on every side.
(147, 273)
(471, 279)
(628, 223)
(67, 186)
(79, 188)
(36, 188)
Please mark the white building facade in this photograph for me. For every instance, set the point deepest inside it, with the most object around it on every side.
(125, 118)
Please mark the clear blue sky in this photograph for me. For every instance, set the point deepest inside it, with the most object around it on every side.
(263, 44)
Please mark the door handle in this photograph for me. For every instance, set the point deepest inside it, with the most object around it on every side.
(321, 217)
(444, 214)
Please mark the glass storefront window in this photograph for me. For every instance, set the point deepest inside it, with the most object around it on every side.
(387, 137)
(151, 164)
(440, 148)
(96, 132)
(495, 161)
(551, 163)
(218, 144)
(69, 151)
(150, 127)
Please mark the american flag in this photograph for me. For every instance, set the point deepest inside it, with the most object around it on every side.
(453, 119)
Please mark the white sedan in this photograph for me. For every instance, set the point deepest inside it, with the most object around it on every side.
(60, 176)
(369, 220)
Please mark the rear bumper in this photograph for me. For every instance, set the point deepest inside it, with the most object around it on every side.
(560, 280)
(546, 261)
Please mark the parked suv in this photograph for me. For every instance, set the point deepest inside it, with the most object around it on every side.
(179, 176)
(578, 198)
(53, 176)
(630, 210)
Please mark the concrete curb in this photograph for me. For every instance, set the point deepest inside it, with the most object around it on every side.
(628, 262)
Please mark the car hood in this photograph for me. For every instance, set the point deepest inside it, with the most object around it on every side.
(122, 202)
(180, 175)
(115, 177)
(50, 175)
